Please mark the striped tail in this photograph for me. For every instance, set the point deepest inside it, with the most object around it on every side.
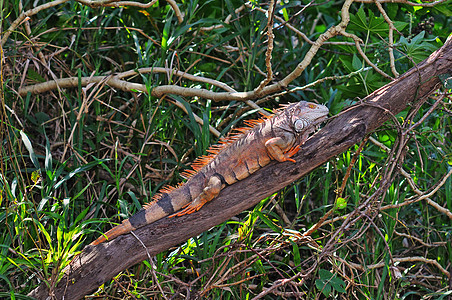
(123, 228)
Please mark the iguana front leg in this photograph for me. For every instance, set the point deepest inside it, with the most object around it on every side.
(211, 190)
(277, 146)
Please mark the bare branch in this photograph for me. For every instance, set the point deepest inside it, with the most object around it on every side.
(429, 4)
(226, 21)
(117, 3)
(390, 37)
(402, 260)
(229, 96)
(268, 54)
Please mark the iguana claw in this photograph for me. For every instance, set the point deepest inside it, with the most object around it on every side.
(292, 151)
(188, 209)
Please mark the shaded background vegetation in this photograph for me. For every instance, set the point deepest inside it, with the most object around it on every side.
(76, 160)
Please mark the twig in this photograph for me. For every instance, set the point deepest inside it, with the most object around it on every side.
(363, 55)
(117, 3)
(226, 21)
(298, 32)
(115, 81)
(229, 96)
(390, 38)
(428, 113)
(422, 195)
(153, 267)
(429, 4)
(402, 260)
(268, 53)
(420, 241)
(331, 32)
(178, 73)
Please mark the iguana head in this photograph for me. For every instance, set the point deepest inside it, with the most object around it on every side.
(303, 117)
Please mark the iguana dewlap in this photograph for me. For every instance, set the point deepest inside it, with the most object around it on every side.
(277, 137)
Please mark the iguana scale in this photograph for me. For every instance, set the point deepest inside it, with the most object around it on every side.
(277, 137)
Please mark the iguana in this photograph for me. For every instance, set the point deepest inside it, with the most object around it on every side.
(276, 137)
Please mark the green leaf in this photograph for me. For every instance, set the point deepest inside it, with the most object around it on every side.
(207, 67)
(134, 200)
(285, 14)
(443, 9)
(359, 19)
(193, 125)
(81, 192)
(79, 170)
(296, 253)
(46, 234)
(341, 203)
(399, 25)
(418, 48)
(327, 281)
(81, 215)
(371, 23)
(166, 31)
(33, 75)
(356, 63)
(338, 284)
(322, 286)
(268, 222)
(29, 147)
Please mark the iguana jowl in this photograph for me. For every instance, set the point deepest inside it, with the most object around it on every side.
(277, 137)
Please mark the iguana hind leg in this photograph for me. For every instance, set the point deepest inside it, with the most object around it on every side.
(211, 190)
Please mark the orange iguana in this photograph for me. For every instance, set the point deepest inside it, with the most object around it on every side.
(277, 137)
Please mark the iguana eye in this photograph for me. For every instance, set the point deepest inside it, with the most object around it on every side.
(312, 106)
(300, 124)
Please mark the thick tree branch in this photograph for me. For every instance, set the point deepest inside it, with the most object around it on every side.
(95, 265)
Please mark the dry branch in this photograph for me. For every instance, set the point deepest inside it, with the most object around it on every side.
(95, 265)
(259, 92)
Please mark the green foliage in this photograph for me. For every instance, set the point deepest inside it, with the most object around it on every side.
(328, 282)
(415, 49)
(372, 24)
(75, 159)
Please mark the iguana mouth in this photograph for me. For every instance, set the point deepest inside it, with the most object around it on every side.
(315, 126)
(318, 122)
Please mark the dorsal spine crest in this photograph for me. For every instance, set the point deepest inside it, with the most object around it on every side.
(214, 150)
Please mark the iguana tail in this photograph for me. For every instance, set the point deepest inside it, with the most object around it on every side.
(123, 228)
(164, 204)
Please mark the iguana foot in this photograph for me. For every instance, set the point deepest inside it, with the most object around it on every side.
(292, 151)
(188, 209)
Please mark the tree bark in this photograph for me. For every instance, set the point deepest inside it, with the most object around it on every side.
(97, 264)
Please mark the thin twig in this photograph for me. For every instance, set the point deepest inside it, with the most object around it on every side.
(390, 38)
(268, 53)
